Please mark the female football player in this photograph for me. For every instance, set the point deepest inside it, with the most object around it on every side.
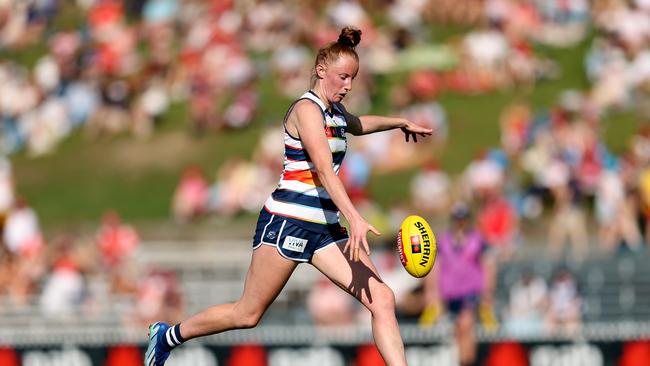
(300, 221)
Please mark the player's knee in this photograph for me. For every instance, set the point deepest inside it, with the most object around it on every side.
(383, 301)
(246, 316)
(249, 319)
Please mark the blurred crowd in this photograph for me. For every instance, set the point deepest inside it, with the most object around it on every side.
(72, 275)
(552, 166)
(117, 67)
(124, 63)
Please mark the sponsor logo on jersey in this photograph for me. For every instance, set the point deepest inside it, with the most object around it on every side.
(338, 132)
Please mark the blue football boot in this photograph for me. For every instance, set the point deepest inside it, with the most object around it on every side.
(158, 351)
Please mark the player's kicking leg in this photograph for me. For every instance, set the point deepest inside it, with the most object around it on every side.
(267, 275)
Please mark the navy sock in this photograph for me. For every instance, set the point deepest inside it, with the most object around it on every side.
(173, 337)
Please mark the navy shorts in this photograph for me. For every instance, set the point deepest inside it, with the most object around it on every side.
(455, 306)
(293, 241)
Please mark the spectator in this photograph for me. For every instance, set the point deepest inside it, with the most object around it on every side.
(7, 266)
(47, 126)
(483, 176)
(241, 186)
(64, 288)
(527, 306)
(498, 223)
(268, 152)
(614, 212)
(22, 232)
(465, 12)
(241, 112)
(291, 64)
(515, 128)
(355, 173)
(191, 197)
(461, 279)
(568, 222)
(640, 144)
(6, 190)
(422, 108)
(487, 51)
(149, 106)
(328, 305)
(430, 190)
(18, 278)
(23, 260)
(564, 23)
(117, 242)
(565, 305)
(159, 297)
(81, 100)
(112, 116)
(201, 102)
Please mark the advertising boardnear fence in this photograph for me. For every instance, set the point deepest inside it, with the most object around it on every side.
(512, 353)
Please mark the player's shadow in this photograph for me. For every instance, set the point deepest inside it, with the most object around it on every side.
(361, 275)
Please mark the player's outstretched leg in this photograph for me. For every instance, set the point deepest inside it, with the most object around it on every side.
(267, 275)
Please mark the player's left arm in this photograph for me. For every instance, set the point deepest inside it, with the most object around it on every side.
(368, 124)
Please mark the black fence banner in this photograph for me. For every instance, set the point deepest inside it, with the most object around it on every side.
(195, 353)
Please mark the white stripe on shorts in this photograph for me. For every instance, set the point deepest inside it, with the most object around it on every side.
(277, 243)
(265, 226)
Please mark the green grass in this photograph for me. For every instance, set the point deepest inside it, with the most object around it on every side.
(391, 189)
(137, 178)
(473, 127)
(26, 57)
(618, 128)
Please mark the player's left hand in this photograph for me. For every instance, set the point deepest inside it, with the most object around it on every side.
(411, 129)
(358, 240)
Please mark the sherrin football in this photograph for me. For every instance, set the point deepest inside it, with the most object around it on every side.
(416, 245)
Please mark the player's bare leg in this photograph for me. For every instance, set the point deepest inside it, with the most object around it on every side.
(267, 275)
(465, 337)
(361, 280)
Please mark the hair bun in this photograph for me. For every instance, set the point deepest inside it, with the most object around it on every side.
(350, 37)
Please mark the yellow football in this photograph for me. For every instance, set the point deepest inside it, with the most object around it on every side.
(416, 245)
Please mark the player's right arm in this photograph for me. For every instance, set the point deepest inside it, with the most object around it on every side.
(306, 121)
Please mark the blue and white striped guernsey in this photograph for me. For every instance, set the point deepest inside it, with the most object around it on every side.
(300, 196)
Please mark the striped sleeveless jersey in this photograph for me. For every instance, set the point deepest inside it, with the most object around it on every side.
(300, 197)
